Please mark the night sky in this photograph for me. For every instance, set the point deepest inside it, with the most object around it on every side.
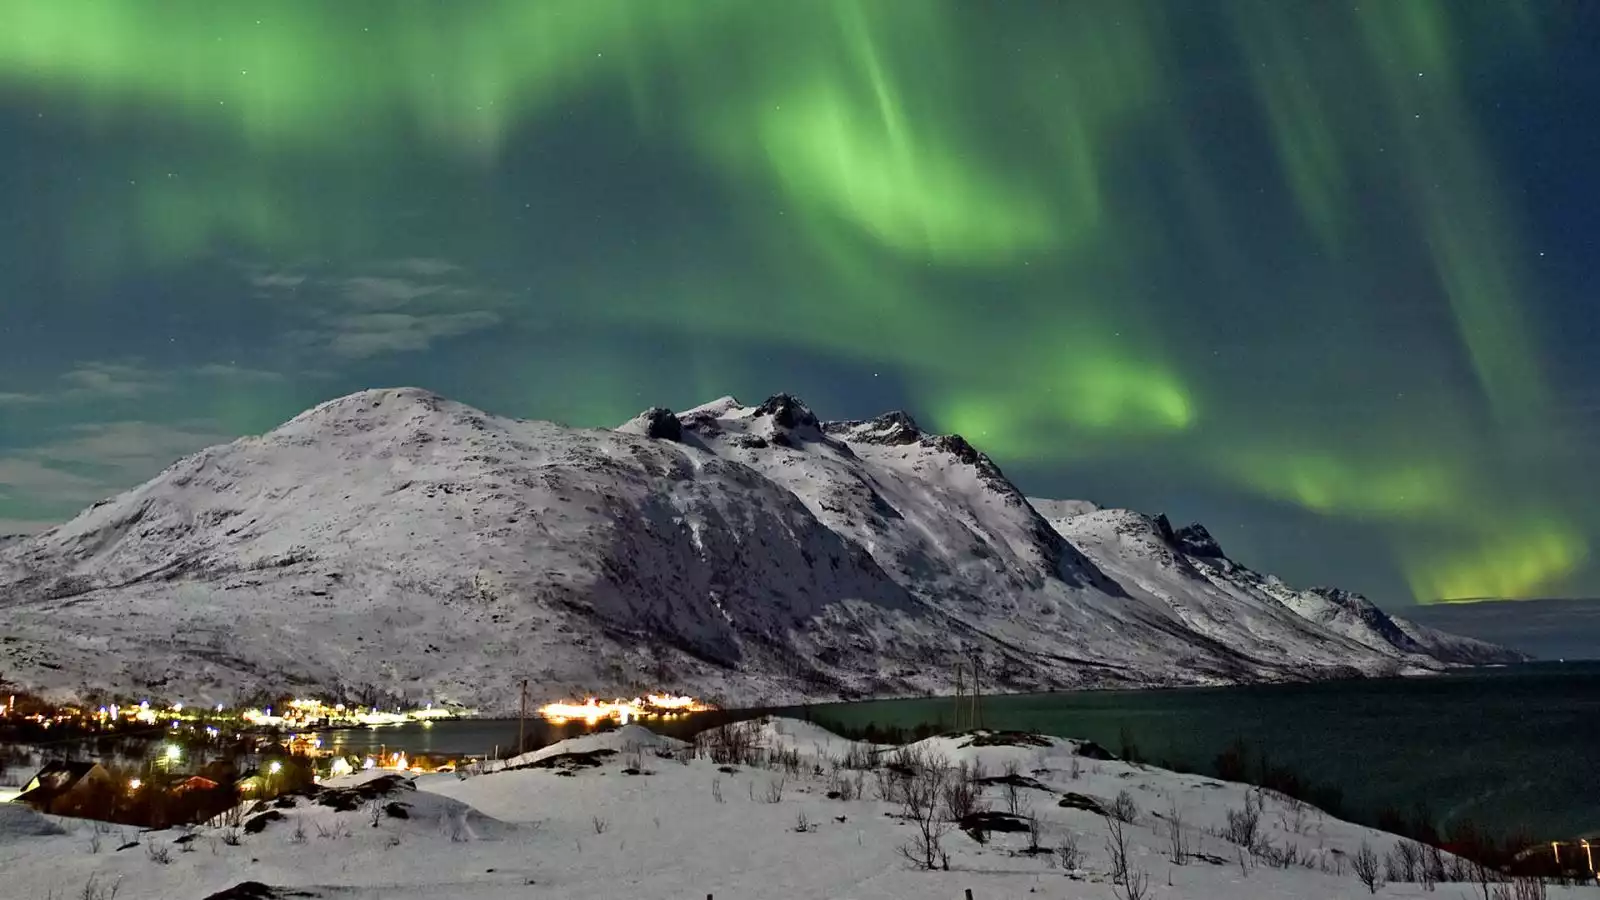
(1319, 274)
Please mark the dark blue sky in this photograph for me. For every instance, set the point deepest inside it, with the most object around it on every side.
(1321, 275)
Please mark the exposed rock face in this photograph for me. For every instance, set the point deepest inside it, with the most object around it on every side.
(658, 423)
(1195, 540)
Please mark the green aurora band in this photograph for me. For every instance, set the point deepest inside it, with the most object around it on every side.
(972, 198)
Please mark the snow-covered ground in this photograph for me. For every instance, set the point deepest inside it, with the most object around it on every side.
(691, 827)
(397, 544)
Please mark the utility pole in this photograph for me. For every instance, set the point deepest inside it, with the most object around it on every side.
(522, 718)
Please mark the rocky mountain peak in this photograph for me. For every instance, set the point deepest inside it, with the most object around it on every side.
(657, 423)
(788, 411)
(1195, 540)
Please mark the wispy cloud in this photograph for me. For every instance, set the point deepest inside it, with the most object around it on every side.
(85, 463)
(230, 372)
(401, 306)
(122, 379)
(8, 398)
(373, 334)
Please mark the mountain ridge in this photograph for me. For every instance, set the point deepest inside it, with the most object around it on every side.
(396, 544)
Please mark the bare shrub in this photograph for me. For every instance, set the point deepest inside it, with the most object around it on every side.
(333, 832)
(298, 836)
(1294, 815)
(600, 825)
(1035, 832)
(1013, 792)
(1123, 808)
(1075, 770)
(94, 890)
(233, 837)
(1127, 883)
(1244, 825)
(1393, 867)
(157, 853)
(1068, 855)
(1366, 867)
(1432, 866)
(775, 790)
(1177, 841)
(962, 797)
(716, 790)
(858, 757)
(801, 823)
(844, 786)
(920, 796)
(374, 812)
(1280, 858)
(94, 841)
(1408, 860)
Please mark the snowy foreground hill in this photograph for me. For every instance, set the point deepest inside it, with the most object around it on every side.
(394, 543)
(770, 809)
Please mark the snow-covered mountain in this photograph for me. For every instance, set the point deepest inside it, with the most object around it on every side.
(395, 543)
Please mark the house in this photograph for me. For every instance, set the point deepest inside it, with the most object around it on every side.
(84, 789)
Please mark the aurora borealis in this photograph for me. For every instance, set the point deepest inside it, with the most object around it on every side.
(1319, 274)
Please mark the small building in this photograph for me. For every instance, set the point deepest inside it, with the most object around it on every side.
(60, 788)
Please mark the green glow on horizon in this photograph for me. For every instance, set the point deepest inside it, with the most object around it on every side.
(1509, 561)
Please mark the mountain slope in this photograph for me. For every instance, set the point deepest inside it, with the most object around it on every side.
(396, 544)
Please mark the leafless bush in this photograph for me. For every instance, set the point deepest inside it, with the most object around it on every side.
(1068, 856)
(888, 785)
(1432, 866)
(1366, 867)
(1244, 825)
(1278, 857)
(1075, 771)
(1408, 861)
(233, 837)
(93, 890)
(94, 841)
(334, 831)
(374, 812)
(775, 790)
(731, 745)
(920, 796)
(801, 823)
(1117, 848)
(961, 797)
(1177, 841)
(1035, 832)
(1126, 883)
(1294, 815)
(844, 786)
(157, 853)
(600, 825)
(716, 790)
(298, 836)
(858, 757)
(1123, 808)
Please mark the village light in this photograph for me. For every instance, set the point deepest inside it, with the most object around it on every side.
(174, 751)
(133, 784)
(275, 768)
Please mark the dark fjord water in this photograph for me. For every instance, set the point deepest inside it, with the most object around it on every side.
(1508, 748)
